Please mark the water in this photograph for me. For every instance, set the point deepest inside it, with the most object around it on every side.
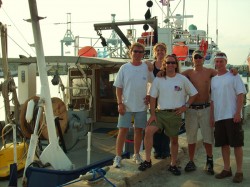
(54, 91)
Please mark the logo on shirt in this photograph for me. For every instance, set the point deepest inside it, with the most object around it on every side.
(177, 88)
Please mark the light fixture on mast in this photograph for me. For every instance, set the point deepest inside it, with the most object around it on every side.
(68, 38)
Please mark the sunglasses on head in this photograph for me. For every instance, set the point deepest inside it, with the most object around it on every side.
(198, 57)
(170, 62)
(137, 51)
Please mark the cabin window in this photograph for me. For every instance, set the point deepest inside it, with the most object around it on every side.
(107, 89)
(81, 87)
(106, 95)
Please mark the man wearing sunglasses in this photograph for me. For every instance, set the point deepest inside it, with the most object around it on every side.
(171, 93)
(131, 90)
(198, 114)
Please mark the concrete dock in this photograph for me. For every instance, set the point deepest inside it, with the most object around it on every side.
(158, 176)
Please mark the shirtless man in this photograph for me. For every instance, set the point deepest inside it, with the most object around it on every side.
(198, 114)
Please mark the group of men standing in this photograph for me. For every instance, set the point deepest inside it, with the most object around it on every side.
(172, 94)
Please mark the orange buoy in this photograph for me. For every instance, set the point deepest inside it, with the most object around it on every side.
(181, 51)
(88, 51)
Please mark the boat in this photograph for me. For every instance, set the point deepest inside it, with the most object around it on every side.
(89, 97)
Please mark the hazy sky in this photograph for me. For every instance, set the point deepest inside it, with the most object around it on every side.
(233, 24)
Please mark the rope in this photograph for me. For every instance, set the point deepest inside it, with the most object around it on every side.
(7, 87)
(5, 93)
(15, 101)
(98, 173)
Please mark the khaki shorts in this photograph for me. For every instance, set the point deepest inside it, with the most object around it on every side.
(195, 119)
(168, 121)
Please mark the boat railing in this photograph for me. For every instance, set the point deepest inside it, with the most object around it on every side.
(117, 49)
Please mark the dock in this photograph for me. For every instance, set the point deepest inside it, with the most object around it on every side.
(158, 176)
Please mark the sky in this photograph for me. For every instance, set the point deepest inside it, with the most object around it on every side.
(231, 22)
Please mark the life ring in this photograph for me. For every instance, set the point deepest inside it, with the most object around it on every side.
(59, 110)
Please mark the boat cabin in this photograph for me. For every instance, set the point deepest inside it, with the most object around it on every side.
(89, 83)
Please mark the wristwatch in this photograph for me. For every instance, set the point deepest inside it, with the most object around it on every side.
(187, 105)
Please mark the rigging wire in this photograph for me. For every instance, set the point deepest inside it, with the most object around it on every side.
(20, 46)
(20, 34)
(171, 12)
(175, 8)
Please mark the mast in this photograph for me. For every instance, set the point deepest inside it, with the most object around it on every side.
(183, 14)
(217, 32)
(53, 153)
(207, 16)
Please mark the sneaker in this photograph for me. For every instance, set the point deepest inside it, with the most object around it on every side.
(117, 162)
(174, 170)
(223, 174)
(190, 166)
(137, 158)
(238, 178)
(209, 168)
(144, 165)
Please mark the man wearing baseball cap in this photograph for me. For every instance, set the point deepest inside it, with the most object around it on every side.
(198, 114)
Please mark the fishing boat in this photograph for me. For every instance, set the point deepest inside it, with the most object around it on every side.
(56, 124)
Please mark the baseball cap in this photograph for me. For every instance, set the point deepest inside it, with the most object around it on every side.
(198, 52)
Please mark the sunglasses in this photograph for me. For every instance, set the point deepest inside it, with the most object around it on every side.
(171, 62)
(198, 57)
(136, 51)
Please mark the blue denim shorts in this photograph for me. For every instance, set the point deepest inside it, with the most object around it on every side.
(139, 119)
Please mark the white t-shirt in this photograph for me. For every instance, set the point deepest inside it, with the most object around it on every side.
(172, 92)
(133, 80)
(224, 91)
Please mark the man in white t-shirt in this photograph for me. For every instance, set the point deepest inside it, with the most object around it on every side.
(171, 93)
(131, 89)
(227, 95)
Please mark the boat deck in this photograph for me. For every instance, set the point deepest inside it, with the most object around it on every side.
(102, 147)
